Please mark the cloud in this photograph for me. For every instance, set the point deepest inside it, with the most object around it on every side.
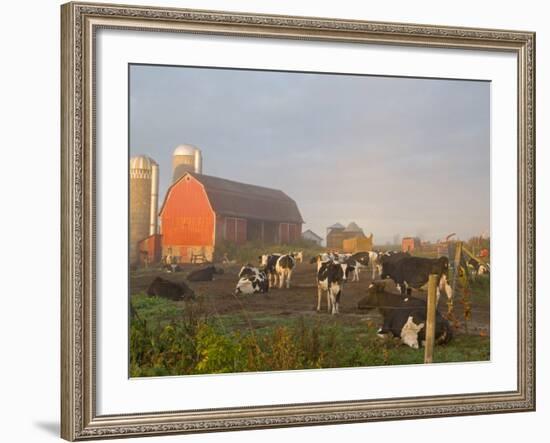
(396, 155)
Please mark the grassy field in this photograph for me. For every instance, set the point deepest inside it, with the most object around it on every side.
(175, 338)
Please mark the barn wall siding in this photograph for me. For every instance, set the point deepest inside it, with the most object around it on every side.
(187, 221)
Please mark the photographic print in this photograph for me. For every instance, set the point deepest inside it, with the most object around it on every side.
(290, 220)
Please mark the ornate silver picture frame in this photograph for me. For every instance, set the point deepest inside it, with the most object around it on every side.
(80, 24)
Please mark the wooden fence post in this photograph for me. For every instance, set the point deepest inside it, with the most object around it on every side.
(456, 270)
(430, 319)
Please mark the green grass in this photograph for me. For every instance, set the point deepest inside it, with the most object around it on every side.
(480, 288)
(170, 338)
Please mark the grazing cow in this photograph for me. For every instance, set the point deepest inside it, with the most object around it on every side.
(477, 267)
(330, 279)
(251, 281)
(284, 267)
(174, 291)
(356, 262)
(204, 274)
(404, 318)
(269, 263)
(413, 272)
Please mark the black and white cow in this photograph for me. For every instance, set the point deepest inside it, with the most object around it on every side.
(204, 274)
(413, 272)
(404, 318)
(269, 263)
(160, 287)
(477, 267)
(252, 280)
(357, 261)
(375, 262)
(330, 279)
(284, 267)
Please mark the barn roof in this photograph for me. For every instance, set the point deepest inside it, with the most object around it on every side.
(352, 227)
(313, 234)
(235, 199)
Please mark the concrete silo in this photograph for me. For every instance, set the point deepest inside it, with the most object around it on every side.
(186, 158)
(143, 202)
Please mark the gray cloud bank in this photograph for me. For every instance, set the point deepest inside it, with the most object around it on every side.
(396, 155)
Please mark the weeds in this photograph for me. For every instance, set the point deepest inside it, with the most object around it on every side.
(189, 342)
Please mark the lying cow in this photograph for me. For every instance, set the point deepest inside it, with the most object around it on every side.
(174, 291)
(204, 274)
(330, 279)
(252, 280)
(404, 318)
(413, 272)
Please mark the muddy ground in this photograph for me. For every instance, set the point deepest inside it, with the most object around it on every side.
(298, 301)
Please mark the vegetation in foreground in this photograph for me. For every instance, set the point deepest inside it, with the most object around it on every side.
(167, 338)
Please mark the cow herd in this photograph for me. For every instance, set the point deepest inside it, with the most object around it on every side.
(404, 315)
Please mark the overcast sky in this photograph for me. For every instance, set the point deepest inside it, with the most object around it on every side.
(396, 155)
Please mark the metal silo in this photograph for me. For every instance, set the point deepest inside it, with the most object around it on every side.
(143, 202)
(186, 158)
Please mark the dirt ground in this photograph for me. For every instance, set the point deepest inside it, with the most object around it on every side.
(299, 300)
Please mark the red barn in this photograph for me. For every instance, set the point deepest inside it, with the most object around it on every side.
(200, 211)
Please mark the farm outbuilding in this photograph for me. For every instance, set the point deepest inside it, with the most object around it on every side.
(409, 244)
(200, 211)
(311, 236)
(337, 234)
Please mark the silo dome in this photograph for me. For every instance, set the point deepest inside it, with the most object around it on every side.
(186, 158)
(142, 162)
(185, 150)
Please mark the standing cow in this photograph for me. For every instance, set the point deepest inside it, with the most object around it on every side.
(330, 279)
(284, 267)
(269, 263)
(413, 272)
(358, 261)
